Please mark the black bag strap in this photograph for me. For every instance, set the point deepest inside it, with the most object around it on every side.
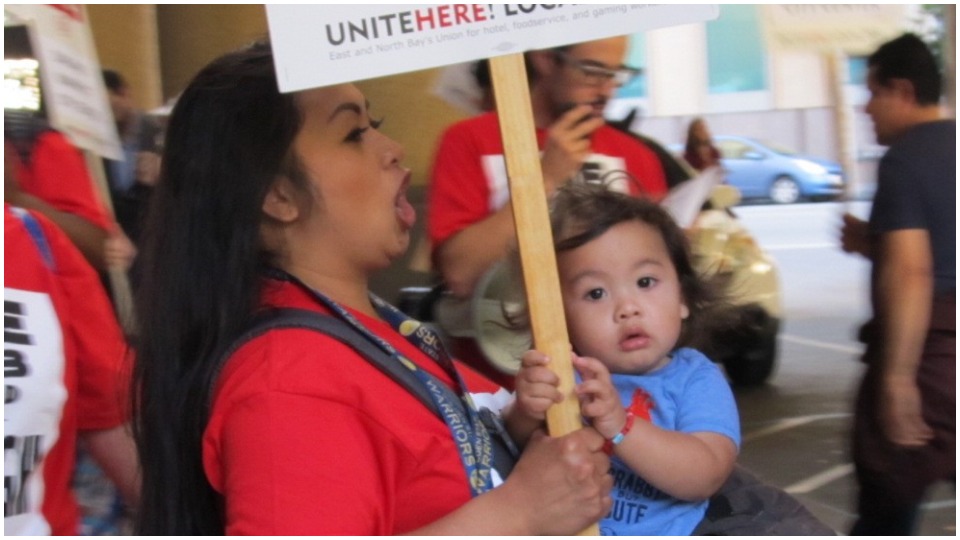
(505, 451)
(278, 318)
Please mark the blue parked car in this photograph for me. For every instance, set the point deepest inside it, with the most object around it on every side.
(761, 170)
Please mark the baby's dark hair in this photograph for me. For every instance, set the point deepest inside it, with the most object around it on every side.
(583, 212)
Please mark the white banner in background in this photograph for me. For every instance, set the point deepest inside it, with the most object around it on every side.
(321, 45)
(851, 28)
(72, 83)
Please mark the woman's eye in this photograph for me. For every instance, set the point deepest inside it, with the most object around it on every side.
(357, 134)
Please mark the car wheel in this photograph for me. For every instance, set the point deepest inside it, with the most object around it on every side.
(755, 364)
(746, 346)
(784, 190)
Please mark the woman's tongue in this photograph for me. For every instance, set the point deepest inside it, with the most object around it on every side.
(405, 211)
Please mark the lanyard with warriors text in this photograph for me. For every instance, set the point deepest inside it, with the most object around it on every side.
(470, 436)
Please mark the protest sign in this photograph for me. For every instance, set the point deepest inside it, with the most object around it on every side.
(73, 92)
(320, 45)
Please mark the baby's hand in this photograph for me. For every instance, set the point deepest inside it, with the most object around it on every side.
(537, 387)
(599, 400)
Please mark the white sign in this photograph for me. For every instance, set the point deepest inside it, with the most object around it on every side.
(685, 201)
(33, 376)
(320, 45)
(851, 28)
(72, 84)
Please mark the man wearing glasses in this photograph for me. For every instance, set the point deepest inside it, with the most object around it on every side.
(470, 220)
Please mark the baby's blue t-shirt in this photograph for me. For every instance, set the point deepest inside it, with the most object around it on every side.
(689, 394)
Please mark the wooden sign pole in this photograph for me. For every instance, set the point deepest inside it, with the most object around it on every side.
(119, 281)
(535, 240)
(843, 116)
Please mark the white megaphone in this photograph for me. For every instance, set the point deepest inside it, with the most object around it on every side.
(490, 317)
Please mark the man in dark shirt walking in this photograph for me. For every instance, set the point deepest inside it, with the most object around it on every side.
(905, 423)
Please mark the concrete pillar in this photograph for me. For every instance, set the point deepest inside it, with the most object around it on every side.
(191, 35)
(125, 36)
(676, 70)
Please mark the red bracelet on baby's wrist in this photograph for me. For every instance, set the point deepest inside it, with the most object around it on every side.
(618, 438)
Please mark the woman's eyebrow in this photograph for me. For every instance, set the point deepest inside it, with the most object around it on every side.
(348, 107)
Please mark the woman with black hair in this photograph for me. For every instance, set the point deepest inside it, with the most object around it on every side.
(269, 201)
(699, 150)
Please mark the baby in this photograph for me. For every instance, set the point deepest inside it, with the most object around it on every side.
(633, 301)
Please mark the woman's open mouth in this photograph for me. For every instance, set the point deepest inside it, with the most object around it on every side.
(406, 213)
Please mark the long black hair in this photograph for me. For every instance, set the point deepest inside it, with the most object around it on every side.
(229, 138)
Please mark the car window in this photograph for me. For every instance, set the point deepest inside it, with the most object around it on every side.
(779, 149)
(732, 149)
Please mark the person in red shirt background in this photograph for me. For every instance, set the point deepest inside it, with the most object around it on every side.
(66, 375)
(52, 178)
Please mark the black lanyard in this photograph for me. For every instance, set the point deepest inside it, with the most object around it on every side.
(459, 412)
